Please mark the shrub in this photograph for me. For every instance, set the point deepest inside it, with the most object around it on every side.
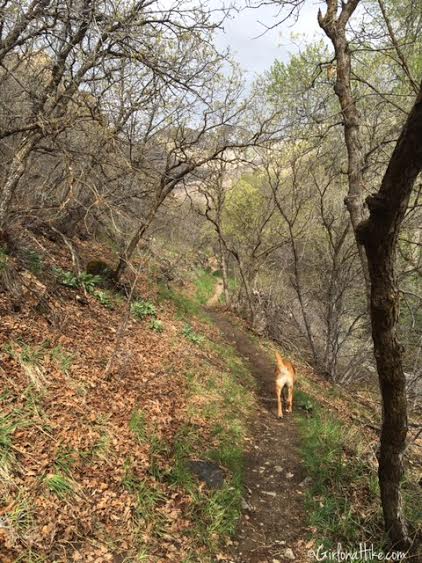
(104, 298)
(143, 309)
(156, 325)
(88, 281)
(68, 279)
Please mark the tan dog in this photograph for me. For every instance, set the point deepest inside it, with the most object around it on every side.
(285, 376)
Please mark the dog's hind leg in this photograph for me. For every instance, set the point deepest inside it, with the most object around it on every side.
(289, 399)
(278, 389)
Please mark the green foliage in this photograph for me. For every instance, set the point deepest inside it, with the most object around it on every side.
(191, 335)
(88, 281)
(64, 277)
(303, 401)
(157, 326)
(104, 298)
(143, 309)
(291, 83)
(59, 485)
(243, 207)
(249, 220)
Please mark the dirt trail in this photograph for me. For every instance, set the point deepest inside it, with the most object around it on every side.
(215, 297)
(273, 525)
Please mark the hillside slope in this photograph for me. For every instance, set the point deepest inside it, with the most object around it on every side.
(94, 454)
(143, 429)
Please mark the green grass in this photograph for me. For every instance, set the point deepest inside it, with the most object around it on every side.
(220, 401)
(148, 499)
(59, 485)
(66, 458)
(20, 517)
(32, 358)
(191, 335)
(138, 425)
(101, 448)
(342, 501)
(205, 285)
(223, 399)
(7, 458)
(185, 307)
(62, 358)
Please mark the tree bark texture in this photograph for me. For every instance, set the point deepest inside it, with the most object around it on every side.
(379, 236)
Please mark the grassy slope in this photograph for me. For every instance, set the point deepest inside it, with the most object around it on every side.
(94, 465)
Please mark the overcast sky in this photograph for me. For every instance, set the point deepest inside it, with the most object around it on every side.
(256, 50)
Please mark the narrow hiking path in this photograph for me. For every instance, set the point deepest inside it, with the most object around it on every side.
(215, 297)
(273, 525)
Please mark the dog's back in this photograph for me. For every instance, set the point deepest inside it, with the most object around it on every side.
(284, 371)
(285, 376)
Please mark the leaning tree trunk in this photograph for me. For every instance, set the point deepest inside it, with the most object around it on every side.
(130, 249)
(135, 240)
(334, 25)
(379, 235)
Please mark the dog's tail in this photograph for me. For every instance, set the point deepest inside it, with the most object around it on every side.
(279, 360)
(285, 364)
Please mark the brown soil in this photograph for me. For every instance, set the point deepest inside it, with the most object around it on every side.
(275, 519)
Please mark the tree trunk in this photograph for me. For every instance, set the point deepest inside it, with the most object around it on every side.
(130, 249)
(335, 28)
(379, 235)
(223, 262)
(14, 174)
